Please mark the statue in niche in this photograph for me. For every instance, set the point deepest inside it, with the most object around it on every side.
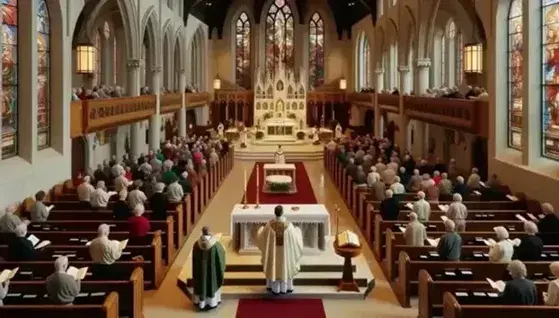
(279, 86)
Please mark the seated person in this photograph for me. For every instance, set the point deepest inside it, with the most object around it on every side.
(531, 246)
(61, 287)
(158, 203)
(20, 249)
(84, 190)
(104, 253)
(100, 197)
(136, 196)
(138, 225)
(450, 244)
(373, 176)
(474, 179)
(121, 210)
(551, 298)
(415, 233)
(4, 287)
(174, 191)
(519, 291)
(10, 221)
(389, 207)
(39, 211)
(397, 187)
(422, 208)
(503, 250)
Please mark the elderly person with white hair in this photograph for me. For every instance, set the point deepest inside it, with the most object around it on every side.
(121, 210)
(158, 203)
(104, 253)
(100, 197)
(397, 187)
(213, 157)
(445, 185)
(175, 193)
(388, 176)
(457, 212)
(531, 245)
(117, 168)
(4, 288)
(422, 208)
(460, 187)
(20, 249)
(373, 176)
(551, 297)
(62, 288)
(389, 207)
(121, 182)
(474, 179)
(426, 182)
(380, 165)
(450, 244)
(519, 291)
(138, 225)
(85, 190)
(415, 233)
(503, 249)
(415, 181)
(10, 221)
(136, 196)
(360, 177)
(550, 221)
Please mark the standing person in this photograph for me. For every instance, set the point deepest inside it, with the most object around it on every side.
(62, 288)
(458, 212)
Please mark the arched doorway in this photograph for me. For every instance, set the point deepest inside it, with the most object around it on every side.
(369, 121)
(79, 148)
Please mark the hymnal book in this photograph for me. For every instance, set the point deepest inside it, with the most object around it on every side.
(433, 242)
(512, 197)
(498, 285)
(78, 274)
(88, 243)
(515, 242)
(443, 208)
(520, 217)
(348, 238)
(489, 242)
(50, 207)
(476, 192)
(409, 205)
(461, 294)
(481, 183)
(111, 193)
(402, 229)
(123, 244)
(38, 244)
(480, 294)
(444, 218)
(8, 274)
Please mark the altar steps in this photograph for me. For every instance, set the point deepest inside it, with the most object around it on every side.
(267, 155)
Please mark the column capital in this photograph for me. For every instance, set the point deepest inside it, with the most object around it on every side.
(379, 71)
(422, 63)
(134, 63)
(156, 69)
(403, 69)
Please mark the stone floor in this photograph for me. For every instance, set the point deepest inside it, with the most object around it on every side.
(170, 302)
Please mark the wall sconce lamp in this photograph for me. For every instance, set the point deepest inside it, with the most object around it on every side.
(85, 58)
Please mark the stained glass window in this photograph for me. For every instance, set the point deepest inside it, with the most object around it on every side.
(9, 78)
(316, 51)
(550, 72)
(99, 52)
(443, 60)
(363, 62)
(515, 75)
(242, 51)
(43, 75)
(279, 36)
(459, 59)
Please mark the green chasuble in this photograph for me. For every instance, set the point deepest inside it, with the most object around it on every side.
(208, 266)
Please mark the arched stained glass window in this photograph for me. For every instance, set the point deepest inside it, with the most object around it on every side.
(279, 36)
(43, 75)
(9, 78)
(316, 51)
(363, 56)
(242, 51)
(515, 75)
(550, 73)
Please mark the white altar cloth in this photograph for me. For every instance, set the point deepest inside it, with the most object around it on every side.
(313, 219)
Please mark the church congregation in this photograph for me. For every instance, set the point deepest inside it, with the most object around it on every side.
(272, 158)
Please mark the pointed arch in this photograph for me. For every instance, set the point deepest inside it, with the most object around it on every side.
(316, 51)
(150, 27)
(515, 91)
(243, 50)
(363, 62)
(279, 34)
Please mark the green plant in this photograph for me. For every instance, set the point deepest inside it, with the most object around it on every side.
(259, 134)
(301, 135)
(279, 187)
(268, 115)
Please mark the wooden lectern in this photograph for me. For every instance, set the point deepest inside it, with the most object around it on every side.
(347, 283)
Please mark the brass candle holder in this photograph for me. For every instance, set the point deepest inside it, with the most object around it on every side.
(257, 206)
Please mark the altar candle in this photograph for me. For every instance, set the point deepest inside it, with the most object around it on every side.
(257, 177)
(245, 184)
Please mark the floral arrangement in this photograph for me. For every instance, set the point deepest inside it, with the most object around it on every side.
(291, 116)
(301, 135)
(243, 145)
(268, 115)
(259, 134)
(279, 186)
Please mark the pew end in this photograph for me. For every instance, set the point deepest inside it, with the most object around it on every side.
(387, 262)
(402, 286)
(424, 304)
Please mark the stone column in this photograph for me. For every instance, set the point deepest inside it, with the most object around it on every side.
(155, 120)
(405, 86)
(133, 89)
(403, 120)
(422, 75)
(380, 79)
(182, 111)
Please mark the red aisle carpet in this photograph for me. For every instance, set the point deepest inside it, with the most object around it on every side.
(280, 308)
(304, 195)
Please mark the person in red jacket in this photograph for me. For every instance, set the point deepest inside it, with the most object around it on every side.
(138, 225)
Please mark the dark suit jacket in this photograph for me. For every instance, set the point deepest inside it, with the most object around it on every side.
(21, 249)
(121, 211)
(389, 209)
(158, 204)
(520, 291)
(462, 189)
(530, 249)
(549, 224)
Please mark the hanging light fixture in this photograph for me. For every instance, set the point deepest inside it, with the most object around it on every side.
(343, 83)
(217, 83)
(473, 52)
(85, 58)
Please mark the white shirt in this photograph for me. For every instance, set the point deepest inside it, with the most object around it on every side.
(3, 291)
(415, 234)
(136, 197)
(553, 293)
(501, 252)
(121, 183)
(457, 211)
(104, 251)
(372, 178)
(116, 170)
(397, 188)
(175, 192)
(84, 191)
(100, 198)
(423, 209)
(388, 176)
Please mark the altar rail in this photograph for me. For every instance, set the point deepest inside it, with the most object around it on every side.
(93, 115)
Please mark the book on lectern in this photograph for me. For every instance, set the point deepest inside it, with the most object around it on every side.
(348, 239)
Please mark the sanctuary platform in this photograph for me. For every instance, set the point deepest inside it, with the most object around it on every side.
(264, 151)
(318, 278)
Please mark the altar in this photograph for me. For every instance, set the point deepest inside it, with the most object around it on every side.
(313, 219)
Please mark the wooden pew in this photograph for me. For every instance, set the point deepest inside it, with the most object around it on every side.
(130, 291)
(453, 309)
(101, 307)
(408, 271)
(431, 292)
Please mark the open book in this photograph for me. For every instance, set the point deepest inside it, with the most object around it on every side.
(520, 218)
(36, 242)
(481, 183)
(111, 193)
(434, 242)
(489, 242)
(402, 229)
(78, 274)
(498, 285)
(443, 207)
(476, 192)
(348, 238)
(444, 218)
(8, 274)
(512, 197)
(50, 207)
(409, 205)
(515, 242)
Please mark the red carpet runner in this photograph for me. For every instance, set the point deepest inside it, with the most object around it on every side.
(280, 308)
(304, 195)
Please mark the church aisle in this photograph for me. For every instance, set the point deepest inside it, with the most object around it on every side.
(170, 301)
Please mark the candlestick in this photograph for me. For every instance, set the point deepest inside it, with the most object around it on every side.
(245, 205)
(245, 180)
(257, 187)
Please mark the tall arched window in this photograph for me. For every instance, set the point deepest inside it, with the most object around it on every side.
(515, 75)
(99, 51)
(316, 51)
(550, 74)
(444, 81)
(279, 36)
(9, 79)
(242, 51)
(43, 75)
(363, 57)
(459, 58)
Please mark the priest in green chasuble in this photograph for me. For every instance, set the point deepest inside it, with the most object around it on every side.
(281, 244)
(208, 269)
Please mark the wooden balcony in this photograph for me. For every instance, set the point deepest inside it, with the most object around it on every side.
(194, 100)
(170, 103)
(324, 97)
(235, 96)
(362, 99)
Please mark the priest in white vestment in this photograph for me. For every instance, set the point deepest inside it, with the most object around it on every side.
(279, 156)
(281, 244)
(338, 132)
(220, 129)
